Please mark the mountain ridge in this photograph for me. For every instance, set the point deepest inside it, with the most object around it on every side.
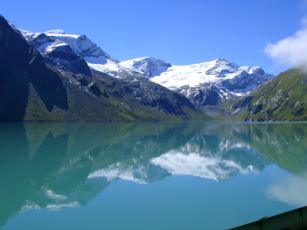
(58, 85)
(210, 85)
(206, 84)
(85, 83)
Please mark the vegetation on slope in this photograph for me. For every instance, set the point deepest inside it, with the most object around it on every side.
(282, 99)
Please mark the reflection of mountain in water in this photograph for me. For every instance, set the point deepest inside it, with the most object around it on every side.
(63, 165)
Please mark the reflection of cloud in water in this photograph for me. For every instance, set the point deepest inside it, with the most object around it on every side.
(291, 190)
(193, 164)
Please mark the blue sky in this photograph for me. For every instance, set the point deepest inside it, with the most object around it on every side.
(177, 31)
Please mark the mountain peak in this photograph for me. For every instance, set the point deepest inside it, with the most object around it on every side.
(57, 31)
(148, 66)
(80, 44)
(221, 60)
(2, 18)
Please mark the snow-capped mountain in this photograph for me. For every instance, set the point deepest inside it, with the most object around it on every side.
(79, 43)
(147, 66)
(216, 71)
(205, 83)
(50, 41)
(60, 67)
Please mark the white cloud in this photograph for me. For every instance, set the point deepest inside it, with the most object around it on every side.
(291, 51)
(291, 190)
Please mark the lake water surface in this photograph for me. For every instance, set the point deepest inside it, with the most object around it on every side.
(167, 176)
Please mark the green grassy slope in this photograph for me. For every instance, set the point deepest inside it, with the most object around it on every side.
(282, 99)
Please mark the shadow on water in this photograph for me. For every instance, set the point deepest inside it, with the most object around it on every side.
(57, 165)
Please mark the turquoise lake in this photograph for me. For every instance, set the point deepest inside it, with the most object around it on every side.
(149, 176)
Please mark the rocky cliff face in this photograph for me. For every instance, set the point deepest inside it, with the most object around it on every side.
(22, 68)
